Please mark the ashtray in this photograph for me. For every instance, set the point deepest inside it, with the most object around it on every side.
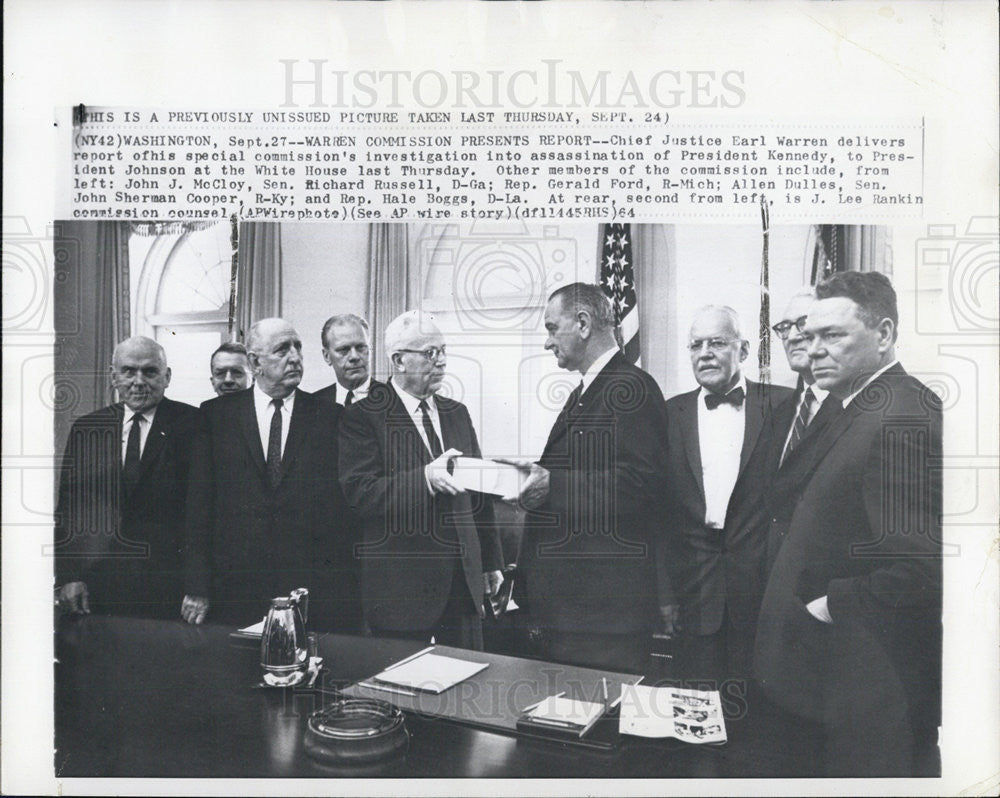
(356, 731)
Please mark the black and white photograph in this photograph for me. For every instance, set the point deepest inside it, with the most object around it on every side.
(459, 397)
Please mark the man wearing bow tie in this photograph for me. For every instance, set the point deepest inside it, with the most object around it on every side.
(718, 470)
(121, 495)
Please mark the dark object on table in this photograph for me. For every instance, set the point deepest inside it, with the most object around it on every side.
(356, 731)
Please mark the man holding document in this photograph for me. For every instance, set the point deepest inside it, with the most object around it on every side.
(596, 498)
(430, 549)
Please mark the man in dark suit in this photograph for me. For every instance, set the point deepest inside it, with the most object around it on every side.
(261, 515)
(588, 552)
(229, 368)
(799, 421)
(121, 494)
(850, 628)
(430, 549)
(347, 350)
(718, 471)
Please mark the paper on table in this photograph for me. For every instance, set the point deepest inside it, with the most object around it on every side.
(567, 710)
(694, 716)
(255, 630)
(431, 672)
(487, 476)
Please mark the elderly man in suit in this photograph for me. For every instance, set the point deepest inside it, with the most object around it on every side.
(850, 627)
(121, 494)
(261, 514)
(588, 555)
(718, 472)
(347, 350)
(229, 368)
(430, 549)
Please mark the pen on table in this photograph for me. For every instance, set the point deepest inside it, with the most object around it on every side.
(618, 700)
(387, 688)
(562, 724)
(409, 658)
(604, 689)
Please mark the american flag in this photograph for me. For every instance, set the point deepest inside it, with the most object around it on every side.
(616, 275)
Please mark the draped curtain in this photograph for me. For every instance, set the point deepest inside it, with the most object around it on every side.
(842, 247)
(391, 288)
(113, 314)
(257, 292)
(655, 257)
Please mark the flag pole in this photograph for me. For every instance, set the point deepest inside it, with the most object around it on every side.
(764, 346)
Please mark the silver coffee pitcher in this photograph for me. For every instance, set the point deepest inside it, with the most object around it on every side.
(284, 652)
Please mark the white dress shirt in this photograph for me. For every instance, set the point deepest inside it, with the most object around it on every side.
(596, 367)
(264, 409)
(144, 429)
(720, 440)
(359, 393)
(412, 405)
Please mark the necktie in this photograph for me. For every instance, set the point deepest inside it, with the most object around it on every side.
(800, 423)
(349, 399)
(432, 439)
(130, 471)
(274, 445)
(734, 397)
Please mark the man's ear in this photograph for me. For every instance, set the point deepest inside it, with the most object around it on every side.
(584, 324)
(886, 331)
(744, 349)
(397, 360)
(254, 362)
(167, 374)
(327, 357)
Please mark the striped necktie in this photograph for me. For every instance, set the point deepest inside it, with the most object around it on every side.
(800, 423)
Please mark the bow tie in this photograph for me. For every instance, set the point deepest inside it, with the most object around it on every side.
(734, 398)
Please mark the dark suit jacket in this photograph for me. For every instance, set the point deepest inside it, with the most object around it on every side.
(718, 570)
(865, 533)
(329, 393)
(588, 553)
(791, 476)
(411, 541)
(248, 542)
(125, 545)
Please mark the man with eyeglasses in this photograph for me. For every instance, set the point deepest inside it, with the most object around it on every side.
(718, 473)
(429, 550)
(850, 626)
(803, 417)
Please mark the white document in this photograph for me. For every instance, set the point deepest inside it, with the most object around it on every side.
(568, 710)
(431, 672)
(694, 716)
(255, 630)
(487, 476)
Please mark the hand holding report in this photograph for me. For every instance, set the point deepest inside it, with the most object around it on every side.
(487, 476)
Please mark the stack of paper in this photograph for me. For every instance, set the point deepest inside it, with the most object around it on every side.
(433, 673)
(694, 716)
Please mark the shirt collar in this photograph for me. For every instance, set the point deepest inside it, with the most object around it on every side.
(818, 392)
(149, 414)
(597, 366)
(741, 383)
(870, 380)
(411, 402)
(261, 400)
(361, 390)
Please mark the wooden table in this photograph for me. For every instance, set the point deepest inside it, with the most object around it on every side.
(143, 698)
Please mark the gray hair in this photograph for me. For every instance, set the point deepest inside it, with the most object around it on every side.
(339, 320)
(725, 310)
(140, 341)
(589, 298)
(402, 328)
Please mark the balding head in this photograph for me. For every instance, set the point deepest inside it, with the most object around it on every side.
(416, 352)
(717, 348)
(275, 353)
(139, 373)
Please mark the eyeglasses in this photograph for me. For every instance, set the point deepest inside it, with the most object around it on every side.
(784, 328)
(431, 353)
(714, 344)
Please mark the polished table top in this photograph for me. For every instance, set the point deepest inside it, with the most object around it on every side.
(147, 698)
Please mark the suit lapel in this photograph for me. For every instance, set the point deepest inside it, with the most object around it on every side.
(450, 436)
(248, 425)
(157, 437)
(400, 419)
(297, 428)
(753, 414)
(692, 443)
